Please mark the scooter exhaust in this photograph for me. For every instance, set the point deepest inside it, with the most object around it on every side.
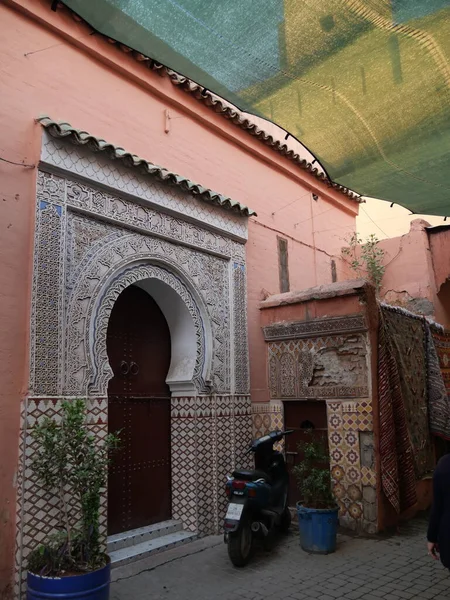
(259, 528)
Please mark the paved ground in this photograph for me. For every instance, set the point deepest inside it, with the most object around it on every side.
(394, 568)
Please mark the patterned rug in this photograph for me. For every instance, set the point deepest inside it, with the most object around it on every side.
(438, 362)
(396, 452)
(406, 335)
(442, 343)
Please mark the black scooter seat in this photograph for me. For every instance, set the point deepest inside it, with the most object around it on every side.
(245, 475)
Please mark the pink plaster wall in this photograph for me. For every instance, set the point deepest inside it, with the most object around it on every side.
(417, 265)
(50, 65)
(439, 239)
(440, 252)
(443, 305)
(407, 265)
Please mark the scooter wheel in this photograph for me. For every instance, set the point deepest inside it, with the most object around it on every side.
(240, 544)
(285, 521)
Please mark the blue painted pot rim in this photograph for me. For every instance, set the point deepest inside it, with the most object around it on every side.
(71, 585)
(316, 510)
(107, 566)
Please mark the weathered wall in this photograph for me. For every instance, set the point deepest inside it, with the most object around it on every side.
(439, 239)
(408, 279)
(439, 245)
(443, 306)
(50, 64)
(321, 346)
(417, 266)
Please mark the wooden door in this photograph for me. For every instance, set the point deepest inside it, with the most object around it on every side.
(138, 342)
(303, 417)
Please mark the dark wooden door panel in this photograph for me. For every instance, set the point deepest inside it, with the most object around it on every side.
(303, 417)
(139, 407)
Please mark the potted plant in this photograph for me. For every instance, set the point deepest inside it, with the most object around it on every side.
(317, 512)
(73, 466)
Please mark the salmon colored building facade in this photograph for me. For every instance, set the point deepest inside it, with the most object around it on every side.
(83, 221)
(417, 271)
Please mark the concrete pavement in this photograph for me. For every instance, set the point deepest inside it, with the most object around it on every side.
(389, 568)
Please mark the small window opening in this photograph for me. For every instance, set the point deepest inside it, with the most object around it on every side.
(283, 265)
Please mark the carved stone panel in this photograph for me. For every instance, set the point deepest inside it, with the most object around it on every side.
(314, 328)
(324, 367)
(125, 212)
(115, 255)
(91, 252)
(241, 366)
(48, 274)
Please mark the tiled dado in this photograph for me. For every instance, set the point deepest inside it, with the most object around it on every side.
(209, 436)
(352, 463)
(267, 416)
(37, 513)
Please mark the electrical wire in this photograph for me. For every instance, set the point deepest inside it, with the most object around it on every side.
(367, 214)
(57, 44)
(16, 164)
(290, 203)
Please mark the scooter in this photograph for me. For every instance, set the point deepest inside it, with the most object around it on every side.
(257, 500)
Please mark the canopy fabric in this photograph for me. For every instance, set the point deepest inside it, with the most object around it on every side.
(363, 84)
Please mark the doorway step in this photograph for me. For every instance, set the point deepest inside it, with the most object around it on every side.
(130, 546)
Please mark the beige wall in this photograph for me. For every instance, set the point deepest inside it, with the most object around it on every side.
(377, 217)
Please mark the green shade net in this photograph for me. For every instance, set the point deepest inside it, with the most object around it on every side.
(363, 84)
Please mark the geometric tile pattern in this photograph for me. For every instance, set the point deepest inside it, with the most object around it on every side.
(266, 417)
(368, 477)
(361, 419)
(37, 510)
(209, 437)
(346, 421)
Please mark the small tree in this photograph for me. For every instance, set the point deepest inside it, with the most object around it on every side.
(366, 258)
(313, 475)
(71, 464)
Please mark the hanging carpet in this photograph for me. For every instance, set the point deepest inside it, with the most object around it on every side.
(396, 452)
(438, 356)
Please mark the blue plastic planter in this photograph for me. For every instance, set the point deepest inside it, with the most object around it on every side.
(88, 586)
(318, 529)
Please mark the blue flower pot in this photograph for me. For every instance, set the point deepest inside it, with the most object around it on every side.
(87, 586)
(318, 529)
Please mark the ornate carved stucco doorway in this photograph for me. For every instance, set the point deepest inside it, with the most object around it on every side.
(102, 226)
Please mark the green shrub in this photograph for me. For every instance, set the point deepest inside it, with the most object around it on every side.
(313, 475)
(71, 464)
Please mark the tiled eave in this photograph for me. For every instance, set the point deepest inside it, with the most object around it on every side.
(83, 138)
